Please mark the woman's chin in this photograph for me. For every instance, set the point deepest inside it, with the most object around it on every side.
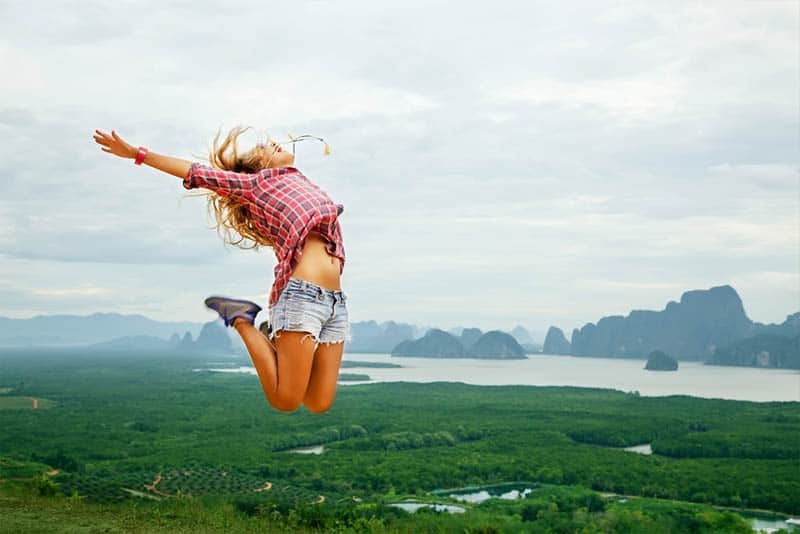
(281, 162)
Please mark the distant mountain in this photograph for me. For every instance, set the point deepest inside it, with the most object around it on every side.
(369, 336)
(135, 332)
(213, 339)
(496, 345)
(78, 330)
(691, 329)
(186, 343)
(789, 328)
(521, 335)
(696, 328)
(762, 350)
(469, 336)
(555, 342)
(434, 344)
(527, 339)
(456, 331)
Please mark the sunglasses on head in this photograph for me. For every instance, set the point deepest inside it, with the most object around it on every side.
(294, 140)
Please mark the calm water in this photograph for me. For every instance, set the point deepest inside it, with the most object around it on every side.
(314, 449)
(647, 448)
(692, 378)
(414, 506)
(480, 495)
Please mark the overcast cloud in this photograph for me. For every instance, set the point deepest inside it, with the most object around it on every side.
(508, 163)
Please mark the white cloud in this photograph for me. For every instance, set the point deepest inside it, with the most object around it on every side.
(83, 291)
(764, 175)
(499, 167)
(24, 74)
(624, 100)
(309, 92)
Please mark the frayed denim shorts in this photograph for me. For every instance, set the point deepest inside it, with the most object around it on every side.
(307, 307)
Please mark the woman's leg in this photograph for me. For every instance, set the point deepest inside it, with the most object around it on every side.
(322, 383)
(284, 368)
(328, 357)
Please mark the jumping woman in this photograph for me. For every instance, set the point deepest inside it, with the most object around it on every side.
(261, 196)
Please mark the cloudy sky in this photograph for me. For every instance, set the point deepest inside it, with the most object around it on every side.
(533, 163)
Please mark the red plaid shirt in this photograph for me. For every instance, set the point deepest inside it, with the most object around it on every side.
(284, 205)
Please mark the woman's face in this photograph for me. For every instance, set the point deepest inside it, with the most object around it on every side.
(273, 155)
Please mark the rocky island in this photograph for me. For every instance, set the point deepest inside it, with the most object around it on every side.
(556, 343)
(436, 343)
(706, 325)
(661, 361)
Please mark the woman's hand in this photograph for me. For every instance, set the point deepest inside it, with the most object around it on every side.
(113, 144)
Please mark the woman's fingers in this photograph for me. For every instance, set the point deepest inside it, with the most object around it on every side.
(107, 137)
(113, 144)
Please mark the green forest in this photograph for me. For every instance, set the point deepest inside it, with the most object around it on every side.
(143, 442)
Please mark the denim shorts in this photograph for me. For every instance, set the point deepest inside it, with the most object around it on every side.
(307, 307)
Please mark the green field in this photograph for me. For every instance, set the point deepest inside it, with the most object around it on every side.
(12, 402)
(143, 442)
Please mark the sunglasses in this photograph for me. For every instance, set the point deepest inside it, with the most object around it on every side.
(294, 140)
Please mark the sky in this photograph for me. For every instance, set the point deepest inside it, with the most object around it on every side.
(510, 163)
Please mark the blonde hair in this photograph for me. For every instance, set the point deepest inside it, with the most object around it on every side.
(231, 214)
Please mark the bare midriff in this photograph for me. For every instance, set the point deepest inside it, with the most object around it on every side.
(317, 265)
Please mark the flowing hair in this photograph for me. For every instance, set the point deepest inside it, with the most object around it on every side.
(234, 224)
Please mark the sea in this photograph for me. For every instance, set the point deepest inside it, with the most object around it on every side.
(692, 378)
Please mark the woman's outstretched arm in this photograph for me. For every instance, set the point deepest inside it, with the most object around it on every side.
(225, 183)
(114, 144)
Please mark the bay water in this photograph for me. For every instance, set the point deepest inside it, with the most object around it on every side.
(691, 378)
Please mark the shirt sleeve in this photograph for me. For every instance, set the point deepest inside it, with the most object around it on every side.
(224, 183)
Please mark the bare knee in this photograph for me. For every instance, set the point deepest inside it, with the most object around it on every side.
(284, 402)
(318, 405)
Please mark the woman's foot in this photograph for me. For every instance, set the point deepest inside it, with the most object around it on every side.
(229, 309)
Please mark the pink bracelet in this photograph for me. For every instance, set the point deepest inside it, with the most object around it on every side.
(140, 155)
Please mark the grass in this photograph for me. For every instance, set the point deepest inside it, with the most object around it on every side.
(21, 403)
(24, 512)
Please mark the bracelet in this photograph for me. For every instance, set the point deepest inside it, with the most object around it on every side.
(140, 155)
